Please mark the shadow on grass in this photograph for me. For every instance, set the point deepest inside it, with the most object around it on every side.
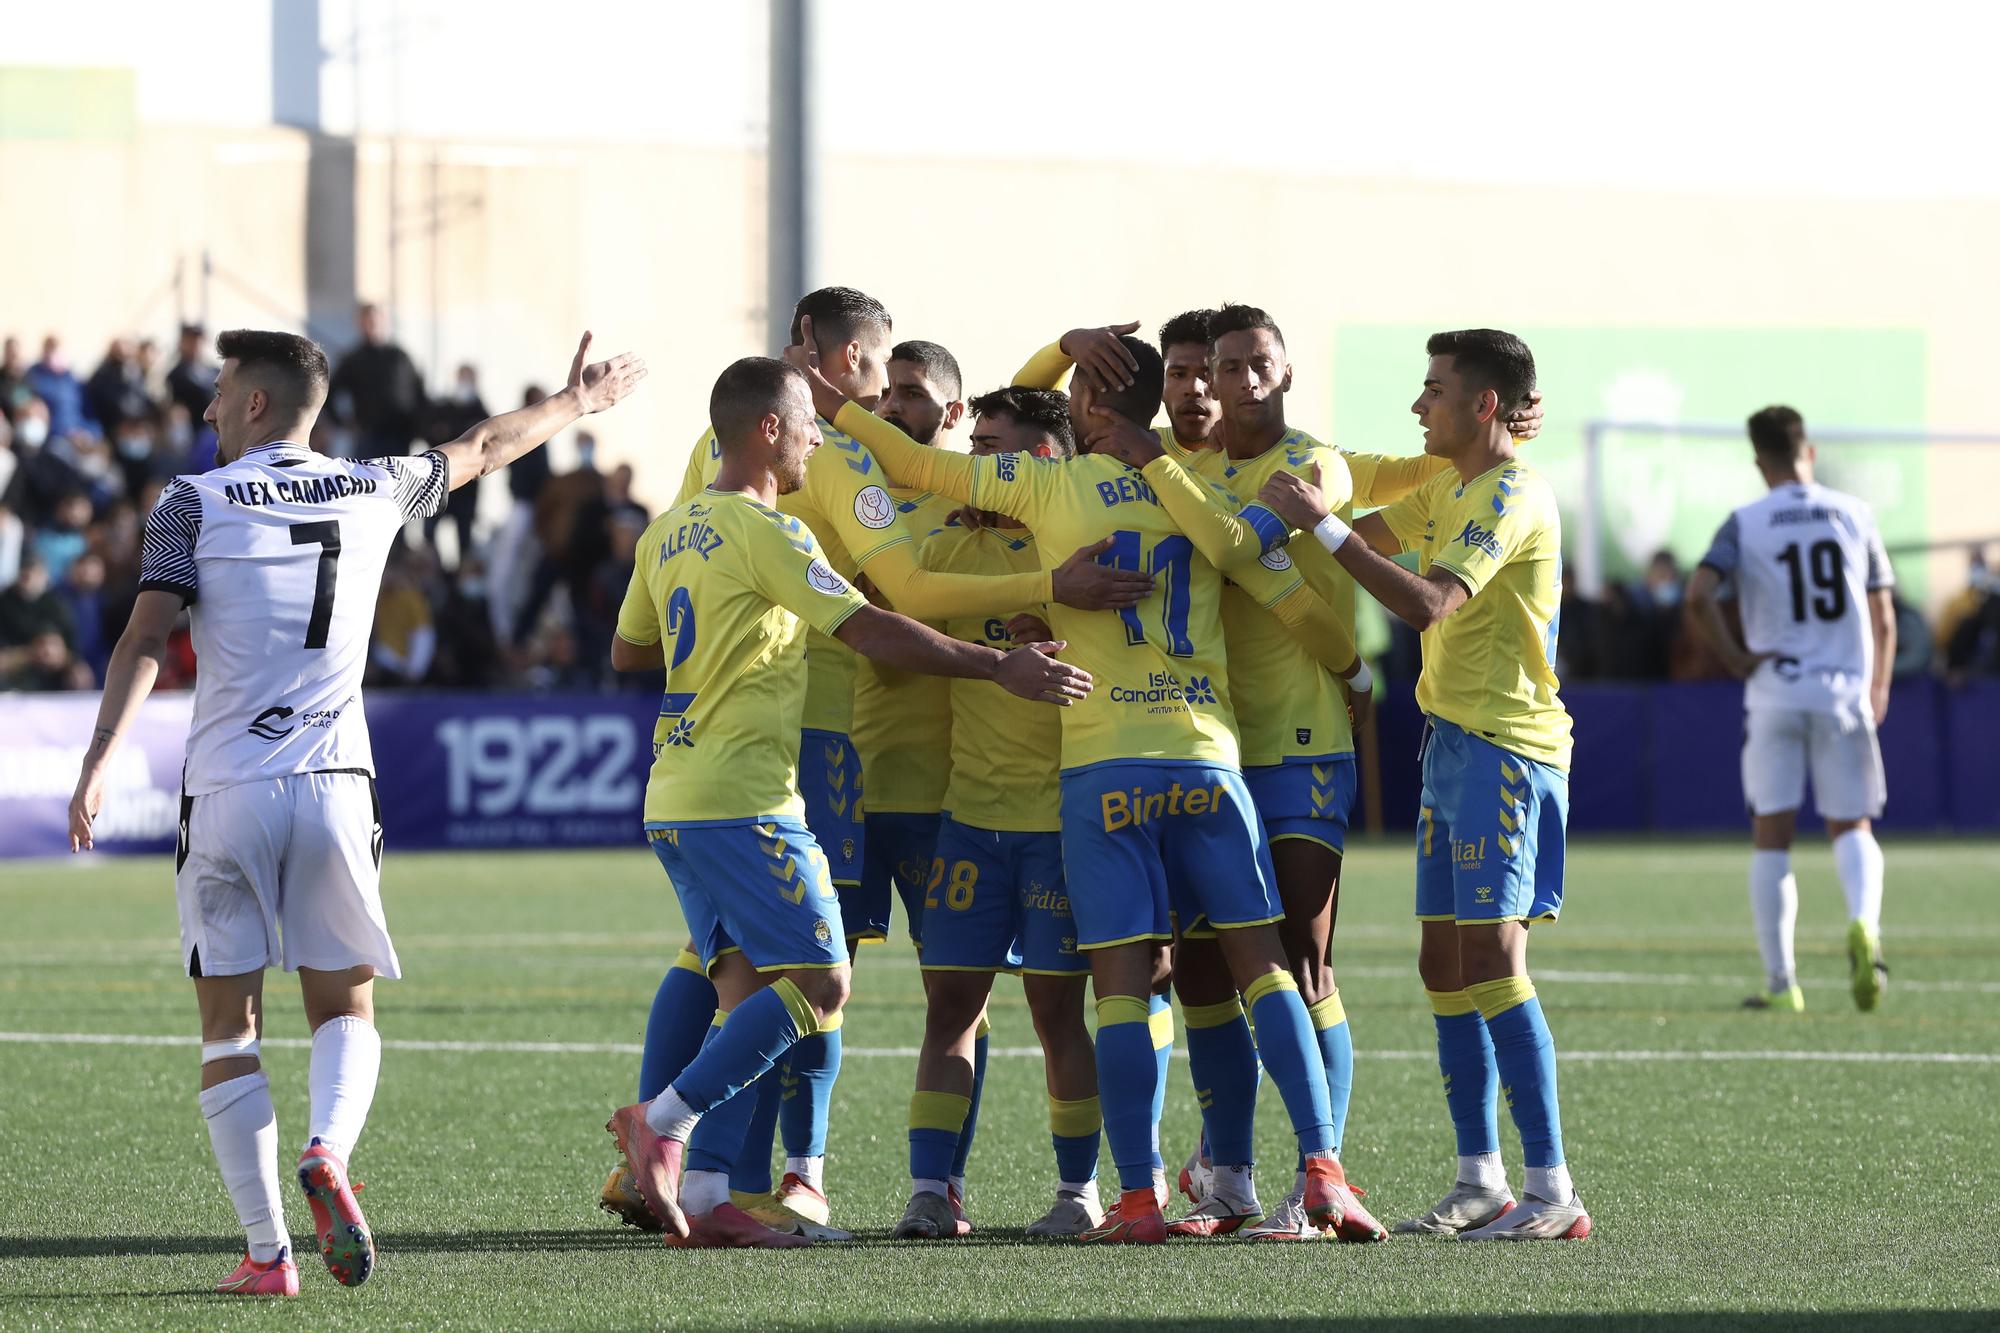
(397, 1242)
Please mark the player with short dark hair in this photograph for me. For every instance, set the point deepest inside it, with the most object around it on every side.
(734, 582)
(279, 552)
(1495, 801)
(1819, 641)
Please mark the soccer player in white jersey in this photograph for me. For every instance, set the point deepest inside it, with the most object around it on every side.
(1819, 637)
(279, 551)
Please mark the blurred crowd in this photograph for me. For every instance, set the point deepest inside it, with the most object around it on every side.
(516, 592)
(524, 593)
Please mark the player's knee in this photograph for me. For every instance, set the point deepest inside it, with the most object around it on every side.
(825, 989)
(1056, 1010)
(1438, 965)
(952, 1007)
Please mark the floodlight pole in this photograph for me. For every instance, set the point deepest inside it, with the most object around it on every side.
(793, 165)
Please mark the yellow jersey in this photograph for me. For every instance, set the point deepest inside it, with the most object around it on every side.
(1162, 687)
(1004, 749)
(1287, 705)
(847, 505)
(902, 719)
(1490, 665)
(734, 586)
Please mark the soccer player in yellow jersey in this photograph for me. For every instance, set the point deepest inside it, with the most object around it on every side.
(732, 582)
(1156, 820)
(1486, 597)
(844, 501)
(996, 899)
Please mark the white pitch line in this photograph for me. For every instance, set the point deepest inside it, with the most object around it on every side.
(1017, 1052)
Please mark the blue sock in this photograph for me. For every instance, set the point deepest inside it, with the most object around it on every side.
(1076, 1128)
(1336, 1052)
(809, 1077)
(937, 1123)
(1127, 1070)
(1471, 1081)
(963, 1151)
(683, 1009)
(1160, 1020)
(751, 1173)
(1525, 1054)
(717, 1141)
(754, 1036)
(1222, 1060)
(1291, 1054)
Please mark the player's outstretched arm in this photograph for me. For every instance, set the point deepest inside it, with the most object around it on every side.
(1882, 624)
(897, 641)
(128, 679)
(498, 441)
(1420, 603)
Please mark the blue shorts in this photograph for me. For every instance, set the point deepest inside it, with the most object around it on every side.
(830, 780)
(1145, 844)
(758, 887)
(1490, 833)
(996, 901)
(1308, 798)
(898, 851)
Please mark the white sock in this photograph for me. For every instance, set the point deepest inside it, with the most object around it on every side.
(243, 1131)
(924, 1186)
(1774, 902)
(1235, 1186)
(1084, 1190)
(1482, 1169)
(703, 1191)
(1160, 1185)
(812, 1170)
(1551, 1183)
(670, 1117)
(1857, 857)
(346, 1060)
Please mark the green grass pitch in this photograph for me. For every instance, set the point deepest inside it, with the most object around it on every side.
(1830, 1171)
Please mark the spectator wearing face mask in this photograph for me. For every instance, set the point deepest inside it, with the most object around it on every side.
(116, 392)
(60, 540)
(82, 592)
(191, 379)
(450, 418)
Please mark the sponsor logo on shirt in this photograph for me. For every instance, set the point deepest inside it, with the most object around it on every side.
(1468, 853)
(1476, 538)
(821, 576)
(272, 724)
(1164, 687)
(873, 508)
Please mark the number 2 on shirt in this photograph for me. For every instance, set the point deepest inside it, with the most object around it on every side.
(1170, 564)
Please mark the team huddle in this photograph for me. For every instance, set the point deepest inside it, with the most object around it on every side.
(1084, 699)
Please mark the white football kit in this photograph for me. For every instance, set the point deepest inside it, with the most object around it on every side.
(1804, 559)
(280, 554)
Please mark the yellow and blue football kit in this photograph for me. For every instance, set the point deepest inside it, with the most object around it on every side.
(731, 585)
(1497, 748)
(846, 503)
(996, 898)
(1151, 792)
(902, 731)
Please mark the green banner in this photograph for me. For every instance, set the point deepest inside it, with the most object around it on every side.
(1669, 489)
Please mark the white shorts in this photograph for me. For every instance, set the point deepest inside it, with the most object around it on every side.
(287, 871)
(1781, 745)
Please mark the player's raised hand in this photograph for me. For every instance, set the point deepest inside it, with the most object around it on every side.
(602, 384)
(803, 356)
(1526, 423)
(1033, 672)
(1301, 503)
(1124, 439)
(1083, 583)
(1027, 627)
(1098, 354)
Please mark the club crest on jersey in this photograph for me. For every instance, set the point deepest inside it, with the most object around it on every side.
(821, 576)
(1276, 559)
(822, 931)
(873, 508)
(1476, 538)
(847, 849)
